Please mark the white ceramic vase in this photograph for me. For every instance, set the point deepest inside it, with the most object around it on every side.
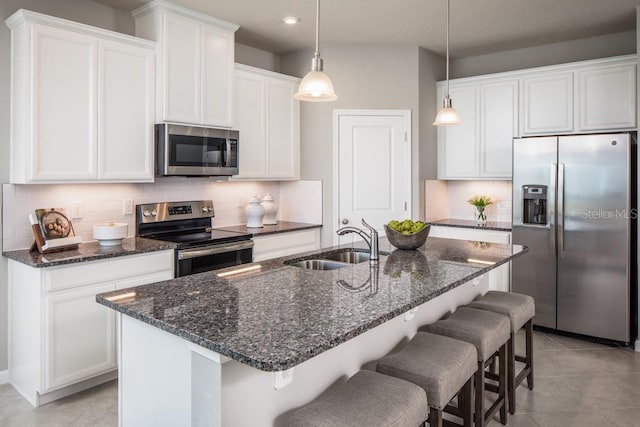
(255, 213)
(270, 210)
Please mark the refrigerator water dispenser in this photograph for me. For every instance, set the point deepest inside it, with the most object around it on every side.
(534, 204)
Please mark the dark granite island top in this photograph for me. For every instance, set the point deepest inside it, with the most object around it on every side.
(276, 316)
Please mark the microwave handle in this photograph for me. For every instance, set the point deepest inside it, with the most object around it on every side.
(225, 154)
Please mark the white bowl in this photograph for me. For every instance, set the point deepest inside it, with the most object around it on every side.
(110, 234)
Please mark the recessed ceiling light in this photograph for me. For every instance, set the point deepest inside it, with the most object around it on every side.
(290, 20)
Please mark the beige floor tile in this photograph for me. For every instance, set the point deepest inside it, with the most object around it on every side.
(576, 344)
(570, 419)
(623, 417)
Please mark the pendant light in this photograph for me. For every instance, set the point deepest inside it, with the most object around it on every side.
(447, 115)
(316, 86)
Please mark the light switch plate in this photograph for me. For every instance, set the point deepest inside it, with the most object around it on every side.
(76, 210)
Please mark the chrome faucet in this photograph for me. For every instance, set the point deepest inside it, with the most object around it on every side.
(371, 239)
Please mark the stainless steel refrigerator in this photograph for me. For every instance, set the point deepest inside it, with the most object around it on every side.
(572, 206)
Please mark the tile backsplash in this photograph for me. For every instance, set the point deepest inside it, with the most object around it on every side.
(448, 199)
(98, 203)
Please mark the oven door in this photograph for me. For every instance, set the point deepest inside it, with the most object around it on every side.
(213, 257)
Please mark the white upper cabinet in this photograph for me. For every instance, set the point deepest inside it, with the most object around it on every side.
(547, 104)
(589, 96)
(581, 97)
(195, 63)
(267, 117)
(81, 104)
(606, 97)
(480, 147)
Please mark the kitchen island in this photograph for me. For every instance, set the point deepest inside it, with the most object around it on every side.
(249, 344)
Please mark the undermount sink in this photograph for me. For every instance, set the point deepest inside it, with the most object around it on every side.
(351, 257)
(331, 260)
(319, 264)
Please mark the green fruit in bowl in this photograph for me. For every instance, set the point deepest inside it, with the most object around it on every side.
(406, 227)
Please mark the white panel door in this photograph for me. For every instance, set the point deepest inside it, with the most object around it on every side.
(499, 124)
(64, 116)
(126, 94)
(606, 98)
(182, 70)
(374, 164)
(282, 131)
(458, 145)
(547, 104)
(217, 76)
(80, 335)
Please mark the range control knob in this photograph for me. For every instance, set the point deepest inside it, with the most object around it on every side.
(154, 212)
(146, 213)
(205, 209)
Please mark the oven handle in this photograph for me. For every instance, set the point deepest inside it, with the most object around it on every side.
(216, 249)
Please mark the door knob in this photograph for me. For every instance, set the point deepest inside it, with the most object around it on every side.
(345, 221)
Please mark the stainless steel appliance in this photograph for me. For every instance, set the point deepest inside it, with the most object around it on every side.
(200, 248)
(574, 207)
(196, 151)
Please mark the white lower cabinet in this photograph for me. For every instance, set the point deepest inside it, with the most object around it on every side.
(283, 244)
(499, 278)
(60, 339)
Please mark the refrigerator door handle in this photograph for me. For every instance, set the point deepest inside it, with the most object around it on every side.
(561, 210)
(551, 210)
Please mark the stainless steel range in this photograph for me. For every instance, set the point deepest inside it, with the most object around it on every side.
(200, 248)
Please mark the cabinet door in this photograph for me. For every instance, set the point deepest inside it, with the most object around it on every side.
(64, 99)
(458, 145)
(125, 125)
(79, 337)
(606, 98)
(250, 121)
(499, 124)
(547, 104)
(283, 139)
(182, 58)
(217, 76)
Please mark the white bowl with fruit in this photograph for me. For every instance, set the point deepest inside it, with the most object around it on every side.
(407, 234)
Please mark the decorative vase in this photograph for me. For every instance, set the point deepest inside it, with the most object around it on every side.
(481, 217)
(255, 213)
(270, 210)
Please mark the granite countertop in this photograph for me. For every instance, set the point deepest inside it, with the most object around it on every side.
(280, 227)
(91, 251)
(468, 223)
(276, 316)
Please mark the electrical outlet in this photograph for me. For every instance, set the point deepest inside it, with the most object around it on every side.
(127, 207)
(76, 210)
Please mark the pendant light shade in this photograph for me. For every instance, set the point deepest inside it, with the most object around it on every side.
(447, 115)
(316, 86)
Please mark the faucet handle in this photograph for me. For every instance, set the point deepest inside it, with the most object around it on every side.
(370, 228)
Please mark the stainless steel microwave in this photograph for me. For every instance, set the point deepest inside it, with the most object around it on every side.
(195, 151)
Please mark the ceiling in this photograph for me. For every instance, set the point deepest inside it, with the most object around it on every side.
(477, 26)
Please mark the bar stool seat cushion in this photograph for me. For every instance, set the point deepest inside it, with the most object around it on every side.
(367, 399)
(520, 308)
(486, 330)
(439, 364)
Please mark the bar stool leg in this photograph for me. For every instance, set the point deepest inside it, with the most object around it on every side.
(479, 396)
(435, 417)
(511, 373)
(467, 399)
(502, 388)
(529, 352)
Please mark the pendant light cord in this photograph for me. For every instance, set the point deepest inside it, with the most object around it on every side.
(318, 28)
(447, 48)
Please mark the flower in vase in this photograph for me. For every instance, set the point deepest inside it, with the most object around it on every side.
(480, 202)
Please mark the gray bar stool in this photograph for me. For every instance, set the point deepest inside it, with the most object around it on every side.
(489, 333)
(521, 309)
(367, 399)
(443, 367)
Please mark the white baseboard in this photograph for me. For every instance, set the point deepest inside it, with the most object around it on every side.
(4, 376)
